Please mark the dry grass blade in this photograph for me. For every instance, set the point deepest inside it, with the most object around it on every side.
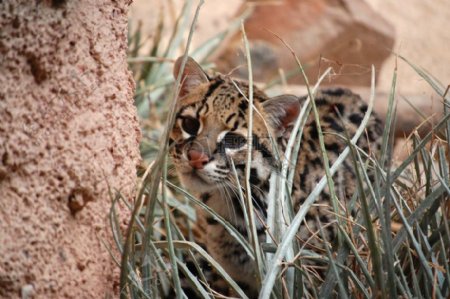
(249, 201)
(273, 270)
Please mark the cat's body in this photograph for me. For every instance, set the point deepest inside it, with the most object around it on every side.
(210, 135)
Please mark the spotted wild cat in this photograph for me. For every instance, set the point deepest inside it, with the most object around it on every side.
(211, 131)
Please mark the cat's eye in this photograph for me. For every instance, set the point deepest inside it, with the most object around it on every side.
(233, 141)
(190, 125)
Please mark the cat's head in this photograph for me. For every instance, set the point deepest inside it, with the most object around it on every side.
(210, 133)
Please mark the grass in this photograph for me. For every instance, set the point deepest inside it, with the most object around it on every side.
(371, 259)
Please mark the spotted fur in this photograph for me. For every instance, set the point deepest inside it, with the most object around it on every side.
(210, 137)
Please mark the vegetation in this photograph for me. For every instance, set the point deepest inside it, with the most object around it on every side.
(397, 245)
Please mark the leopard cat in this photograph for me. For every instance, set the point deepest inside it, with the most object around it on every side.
(210, 135)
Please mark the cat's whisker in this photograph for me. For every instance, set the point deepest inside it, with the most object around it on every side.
(225, 190)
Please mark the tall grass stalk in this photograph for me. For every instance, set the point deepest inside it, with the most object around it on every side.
(249, 202)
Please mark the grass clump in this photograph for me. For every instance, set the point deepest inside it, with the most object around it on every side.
(397, 245)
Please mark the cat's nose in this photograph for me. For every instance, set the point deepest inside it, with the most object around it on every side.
(197, 159)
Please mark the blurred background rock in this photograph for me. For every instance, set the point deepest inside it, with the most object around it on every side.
(348, 35)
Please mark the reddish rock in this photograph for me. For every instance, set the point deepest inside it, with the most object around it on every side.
(68, 128)
(347, 35)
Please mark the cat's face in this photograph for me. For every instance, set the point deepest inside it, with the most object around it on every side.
(211, 136)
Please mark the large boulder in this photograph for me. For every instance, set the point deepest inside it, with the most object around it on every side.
(347, 35)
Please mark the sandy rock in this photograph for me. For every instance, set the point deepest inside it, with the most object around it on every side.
(68, 128)
(346, 35)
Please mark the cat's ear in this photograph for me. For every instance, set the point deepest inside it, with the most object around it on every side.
(283, 110)
(192, 76)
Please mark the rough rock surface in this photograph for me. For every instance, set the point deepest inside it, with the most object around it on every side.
(68, 128)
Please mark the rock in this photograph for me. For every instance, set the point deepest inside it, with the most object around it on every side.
(346, 35)
(68, 131)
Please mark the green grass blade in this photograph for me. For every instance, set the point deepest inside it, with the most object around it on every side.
(193, 280)
(175, 275)
(386, 161)
(444, 261)
(361, 263)
(341, 288)
(421, 256)
(372, 236)
(360, 286)
(415, 216)
(108, 248)
(403, 285)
